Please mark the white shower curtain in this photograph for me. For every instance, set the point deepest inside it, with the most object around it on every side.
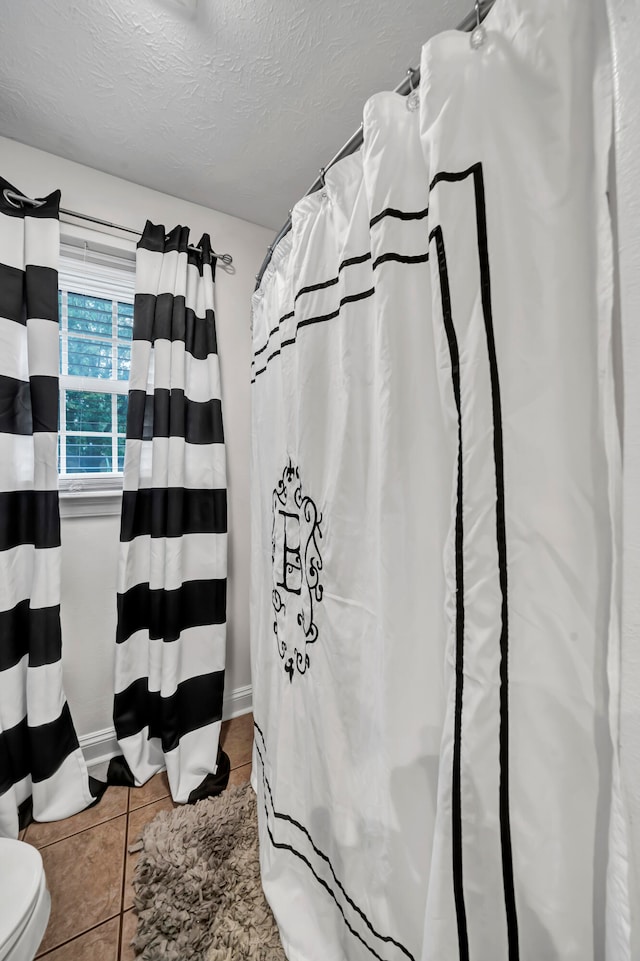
(434, 485)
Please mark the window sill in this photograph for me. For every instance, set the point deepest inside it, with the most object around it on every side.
(90, 503)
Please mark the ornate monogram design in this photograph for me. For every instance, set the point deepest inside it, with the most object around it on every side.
(296, 565)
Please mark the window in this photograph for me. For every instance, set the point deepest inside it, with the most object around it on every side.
(95, 302)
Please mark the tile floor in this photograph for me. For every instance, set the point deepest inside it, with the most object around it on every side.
(89, 869)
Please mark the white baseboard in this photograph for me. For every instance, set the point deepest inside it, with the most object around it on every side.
(238, 702)
(100, 746)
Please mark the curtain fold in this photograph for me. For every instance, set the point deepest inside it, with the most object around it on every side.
(434, 512)
(350, 516)
(42, 770)
(171, 632)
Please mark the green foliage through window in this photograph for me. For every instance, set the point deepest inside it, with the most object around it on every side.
(87, 411)
(95, 345)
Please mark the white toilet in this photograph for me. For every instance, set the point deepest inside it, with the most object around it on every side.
(24, 901)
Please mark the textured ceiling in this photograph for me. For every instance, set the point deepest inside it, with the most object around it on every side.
(233, 104)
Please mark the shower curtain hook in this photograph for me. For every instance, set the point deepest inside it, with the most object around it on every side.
(478, 34)
(324, 195)
(413, 99)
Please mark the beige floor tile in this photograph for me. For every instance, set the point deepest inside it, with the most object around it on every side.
(112, 805)
(84, 874)
(137, 820)
(156, 787)
(129, 924)
(101, 944)
(236, 738)
(240, 775)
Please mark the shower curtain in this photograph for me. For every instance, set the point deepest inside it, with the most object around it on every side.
(435, 470)
(170, 651)
(42, 770)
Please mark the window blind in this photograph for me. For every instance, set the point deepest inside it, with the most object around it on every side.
(95, 302)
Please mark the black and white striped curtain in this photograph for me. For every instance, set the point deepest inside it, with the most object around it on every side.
(42, 769)
(170, 653)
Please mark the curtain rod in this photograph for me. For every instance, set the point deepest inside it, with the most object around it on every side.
(472, 20)
(15, 199)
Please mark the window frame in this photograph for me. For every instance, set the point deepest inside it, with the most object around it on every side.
(90, 494)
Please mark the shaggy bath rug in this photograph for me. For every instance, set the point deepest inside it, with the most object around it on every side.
(197, 885)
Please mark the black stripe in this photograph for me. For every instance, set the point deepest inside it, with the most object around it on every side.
(351, 261)
(29, 517)
(97, 788)
(172, 512)
(44, 403)
(399, 215)
(501, 536)
(476, 172)
(196, 703)
(45, 638)
(165, 317)
(32, 292)
(401, 259)
(323, 318)
(51, 745)
(155, 238)
(35, 632)
(320, 286)
(165, 614)
(323, 856)
(41, 292)
(453, 176)
(15, 406)
(202, 255)
(39, 751)
(456, 792)
(13, 305)
(25, 814)
(279, 845)
(28, 407)
(348, 262)
(168, 413)
(270, 335)
(14, 755)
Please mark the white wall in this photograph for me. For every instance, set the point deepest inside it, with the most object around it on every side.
(90, 544)
(625, 25)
